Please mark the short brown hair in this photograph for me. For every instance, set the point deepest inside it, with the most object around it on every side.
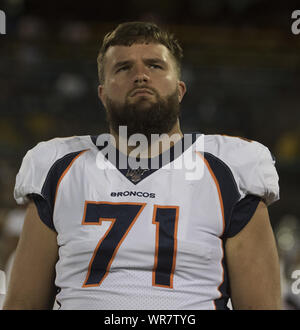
(126, 34)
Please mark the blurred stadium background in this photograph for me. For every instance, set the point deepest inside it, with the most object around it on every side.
(241, 67)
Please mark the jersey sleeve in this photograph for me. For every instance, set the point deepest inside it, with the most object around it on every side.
(251, 164)
(250, 170)
(257, 175)
(33, 171)
(40, 172)
(241, 214)
(264, 180)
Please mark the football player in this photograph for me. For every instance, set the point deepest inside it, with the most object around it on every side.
(101, 234)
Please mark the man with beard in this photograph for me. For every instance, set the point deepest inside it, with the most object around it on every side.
(101, 236)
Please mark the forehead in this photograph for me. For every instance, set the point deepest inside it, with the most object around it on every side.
(137, 51)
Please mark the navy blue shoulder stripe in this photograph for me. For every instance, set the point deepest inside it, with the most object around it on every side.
(45, 203)
(237, 213)
(230, 196)
(228, 187)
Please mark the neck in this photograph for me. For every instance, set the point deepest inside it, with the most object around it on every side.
(141, 147)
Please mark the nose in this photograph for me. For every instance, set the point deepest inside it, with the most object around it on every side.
(141, 78)
(140, 73)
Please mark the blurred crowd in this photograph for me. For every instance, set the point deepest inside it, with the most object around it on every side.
(242, 79)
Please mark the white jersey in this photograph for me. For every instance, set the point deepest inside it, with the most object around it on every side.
(145, 239)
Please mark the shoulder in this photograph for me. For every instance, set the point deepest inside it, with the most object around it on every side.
(234, 149)
(54, 149)
(39, 160)
(251, 163)
(46, 153)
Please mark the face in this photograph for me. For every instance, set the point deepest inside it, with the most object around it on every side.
(141, 88)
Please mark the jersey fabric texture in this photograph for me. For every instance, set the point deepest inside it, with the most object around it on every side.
(145, 238)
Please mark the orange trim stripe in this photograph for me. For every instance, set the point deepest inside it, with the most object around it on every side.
(219, 286)
(223, 218)
(217, 185)
(156, 244)
(66, 171)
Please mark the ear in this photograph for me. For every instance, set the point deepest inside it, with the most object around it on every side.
(181, 90)
(101, 94)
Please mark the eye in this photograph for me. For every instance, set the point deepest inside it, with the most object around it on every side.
(123, 68)
(155, 66)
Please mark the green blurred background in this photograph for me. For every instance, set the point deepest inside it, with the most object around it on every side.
(241, 66)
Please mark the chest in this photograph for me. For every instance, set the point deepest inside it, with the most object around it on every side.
(160, 223)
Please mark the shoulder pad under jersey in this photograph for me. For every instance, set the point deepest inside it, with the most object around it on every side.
(38, 161)
(250, 162)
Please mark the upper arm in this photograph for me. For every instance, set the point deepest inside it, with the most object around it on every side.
(253, 264)
(31, 284)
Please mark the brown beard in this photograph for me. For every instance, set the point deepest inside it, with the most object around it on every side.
(152, 118)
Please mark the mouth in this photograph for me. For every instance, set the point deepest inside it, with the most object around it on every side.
(141, 91)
